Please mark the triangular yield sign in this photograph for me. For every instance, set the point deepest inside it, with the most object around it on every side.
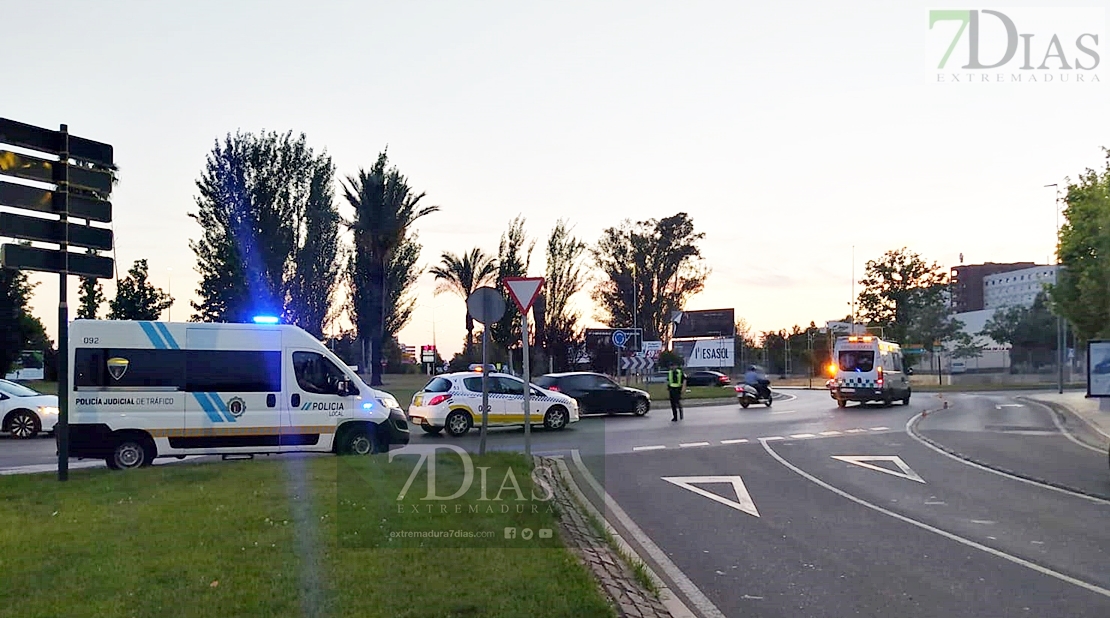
(524, 290)
(860, 460)
(743, 500)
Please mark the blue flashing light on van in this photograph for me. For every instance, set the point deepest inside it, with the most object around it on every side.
(266, 319)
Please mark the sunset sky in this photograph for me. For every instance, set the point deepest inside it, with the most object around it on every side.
(790, 132)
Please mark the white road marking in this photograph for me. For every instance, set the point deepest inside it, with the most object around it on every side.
(696, 596)
(855, 430)
(880, 428)
(860, 460)
(830, 433)
(772, 438)
(948, 535)
(689, 444)
(743, 500)
(739, 441)
(648, 448)
(673, 604)
(1008, 405)
(802, 435)
(784, 412)
(986, 522)
(1067, 434)
(997, 472)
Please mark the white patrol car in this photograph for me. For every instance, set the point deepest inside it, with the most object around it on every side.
(868, 369)
(140, 390)
(25, 411)
(454, 401)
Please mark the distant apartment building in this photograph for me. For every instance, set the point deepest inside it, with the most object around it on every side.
(967, 283)
(1016, 287)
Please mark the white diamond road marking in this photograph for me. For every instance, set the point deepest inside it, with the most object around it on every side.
(689, 444)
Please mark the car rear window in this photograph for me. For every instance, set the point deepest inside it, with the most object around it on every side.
(544, 381)
(438, 385)
(857, 360)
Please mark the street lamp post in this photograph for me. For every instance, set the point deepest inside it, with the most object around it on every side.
(169, 290)
(1060, 342)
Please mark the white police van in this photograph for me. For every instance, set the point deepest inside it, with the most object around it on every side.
(141, 390)
(867, 369)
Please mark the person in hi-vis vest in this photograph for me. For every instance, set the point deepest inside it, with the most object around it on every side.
(676, 382)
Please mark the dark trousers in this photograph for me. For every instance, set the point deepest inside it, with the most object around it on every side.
(676, 401)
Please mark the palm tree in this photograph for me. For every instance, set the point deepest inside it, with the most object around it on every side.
(462, 275)
(385, 207)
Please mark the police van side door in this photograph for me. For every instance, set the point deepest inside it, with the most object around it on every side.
(315, 405)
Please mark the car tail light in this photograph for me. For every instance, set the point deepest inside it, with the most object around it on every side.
(553, 388)
(438, 399)
(880, 380)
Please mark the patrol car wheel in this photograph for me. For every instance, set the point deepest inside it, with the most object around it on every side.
(458, 423)
(23, 424)
(641, 407)
(555, 419)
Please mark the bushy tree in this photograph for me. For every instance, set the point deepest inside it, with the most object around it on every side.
(514, 257)
(462, 275)
(565, 276)
(136, 298)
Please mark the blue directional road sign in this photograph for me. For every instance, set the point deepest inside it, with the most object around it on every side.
(620, 338)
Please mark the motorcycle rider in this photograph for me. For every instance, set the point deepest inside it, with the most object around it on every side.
(757, 379)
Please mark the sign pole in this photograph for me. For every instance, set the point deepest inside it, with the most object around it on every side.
(485, 388)
(527, 387)
(63, 318)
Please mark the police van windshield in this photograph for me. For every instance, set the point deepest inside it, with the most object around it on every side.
(857, 360)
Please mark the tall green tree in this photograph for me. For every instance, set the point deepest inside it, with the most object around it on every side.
(462, 275)
(270, 232)
(565, 276)
(90, 297)
(649, 269)
(15, 294)
(514, 257)
(136, 298)
(897, 288)
(1082, 290)
(385, 209)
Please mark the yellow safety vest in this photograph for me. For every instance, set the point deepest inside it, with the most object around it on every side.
(674, 378)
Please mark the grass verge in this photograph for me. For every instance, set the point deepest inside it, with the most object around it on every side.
(659, 392)
(284, 537)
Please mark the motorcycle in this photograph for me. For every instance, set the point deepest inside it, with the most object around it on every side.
(748, 394)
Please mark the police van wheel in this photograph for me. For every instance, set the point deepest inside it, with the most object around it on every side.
(357, 441)
(458, 423)
(556, 418)
(131, 452)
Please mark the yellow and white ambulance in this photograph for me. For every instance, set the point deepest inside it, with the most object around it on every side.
(141, 390)
(866, 368)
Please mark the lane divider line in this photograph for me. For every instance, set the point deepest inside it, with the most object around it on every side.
(944, 533)
(771, 438)
(802, 435)
(830, 433)
(689, 444)
(1054, 414)
(739, 441)
(797, 436)
(880, 429)
(648, 448)
(695, 595)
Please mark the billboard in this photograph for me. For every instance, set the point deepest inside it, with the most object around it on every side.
(1098, 368)
(719, 352)
(29, 366)
(706, 323)
(602, 338)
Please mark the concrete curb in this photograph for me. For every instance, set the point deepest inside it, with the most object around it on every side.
(1067, 410)
(674, 606)
(911, 428)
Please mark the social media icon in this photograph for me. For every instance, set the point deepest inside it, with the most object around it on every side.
(526, 534)
(545, 533)
(510, 533)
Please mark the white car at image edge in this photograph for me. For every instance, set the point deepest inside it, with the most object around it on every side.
(25, 412)
(453, 401)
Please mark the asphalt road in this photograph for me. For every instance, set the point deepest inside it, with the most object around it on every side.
(798, 532)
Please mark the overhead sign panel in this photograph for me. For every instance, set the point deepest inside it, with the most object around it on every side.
(706, 323)
(45, 140)
(54, 231)
(21, 257)
(41, 200)
(601, 338)
(43, 170)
